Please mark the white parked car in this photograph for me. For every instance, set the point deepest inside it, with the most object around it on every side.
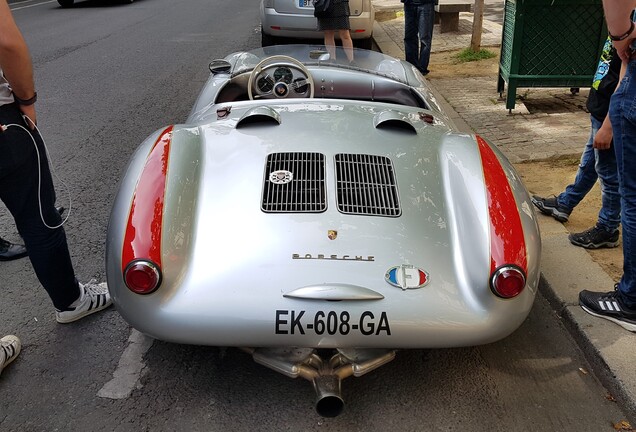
(295, 19)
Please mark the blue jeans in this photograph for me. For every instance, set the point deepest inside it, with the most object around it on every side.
(596, 164)
(418, 34)
(48, 249)
(623, 117)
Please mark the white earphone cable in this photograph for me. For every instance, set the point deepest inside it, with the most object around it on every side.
(29, 121)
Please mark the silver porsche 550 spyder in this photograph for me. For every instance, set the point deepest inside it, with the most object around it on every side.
(321, 216)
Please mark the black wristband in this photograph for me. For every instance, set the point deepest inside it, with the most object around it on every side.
(26, 102)
(624, 35)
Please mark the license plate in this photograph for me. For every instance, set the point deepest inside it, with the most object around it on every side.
(305, 3)
(290, 322)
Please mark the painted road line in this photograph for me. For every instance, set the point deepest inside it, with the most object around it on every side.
(130, 368)
(16, 6)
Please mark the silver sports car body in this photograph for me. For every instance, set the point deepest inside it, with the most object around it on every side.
(321, 216)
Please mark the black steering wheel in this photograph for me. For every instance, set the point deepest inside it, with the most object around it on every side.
(280, 77)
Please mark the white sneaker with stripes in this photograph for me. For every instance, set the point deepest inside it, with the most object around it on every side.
(9, 349)
(93, 298)
(610, 306)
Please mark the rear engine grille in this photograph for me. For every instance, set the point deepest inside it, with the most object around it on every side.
(304, 189)
(366, 185)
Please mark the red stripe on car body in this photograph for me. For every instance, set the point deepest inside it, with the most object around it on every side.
(143, 231)
(507, 241)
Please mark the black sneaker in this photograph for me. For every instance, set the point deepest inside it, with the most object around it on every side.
(551, 207)
(594, 238)
(608, 305)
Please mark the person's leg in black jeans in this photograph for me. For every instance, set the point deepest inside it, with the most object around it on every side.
(48, 249)
(411, 38)
(425, 23)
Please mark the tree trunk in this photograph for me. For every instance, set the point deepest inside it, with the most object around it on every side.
(478, 20)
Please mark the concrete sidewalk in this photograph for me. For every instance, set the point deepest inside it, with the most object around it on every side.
(548, 123)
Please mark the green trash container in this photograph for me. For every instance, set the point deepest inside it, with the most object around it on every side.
(550, 43)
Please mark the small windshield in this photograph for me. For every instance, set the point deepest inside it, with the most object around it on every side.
(316, 55)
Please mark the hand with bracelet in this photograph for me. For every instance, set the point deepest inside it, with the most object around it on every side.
(27, 106)
(622, 42)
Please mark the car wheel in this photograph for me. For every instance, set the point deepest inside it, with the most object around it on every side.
(267, 40)
(66, 3)
(366, 44)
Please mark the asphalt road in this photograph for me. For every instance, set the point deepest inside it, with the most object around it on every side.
(107, 76)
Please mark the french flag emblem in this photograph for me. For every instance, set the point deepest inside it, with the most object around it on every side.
(407, 276)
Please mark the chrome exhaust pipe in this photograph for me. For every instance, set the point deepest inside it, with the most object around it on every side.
(329, 401)
(326, 374)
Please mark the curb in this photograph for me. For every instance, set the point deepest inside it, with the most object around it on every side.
(385, 43)
(565, 270)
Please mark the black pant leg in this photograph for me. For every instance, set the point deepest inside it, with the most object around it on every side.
(22, 191)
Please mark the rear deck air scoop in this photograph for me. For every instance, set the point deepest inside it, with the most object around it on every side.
(260, 115)
(334, 292)
(393, 120)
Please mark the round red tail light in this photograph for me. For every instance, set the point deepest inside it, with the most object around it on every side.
(142, 277)
(507, 282)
